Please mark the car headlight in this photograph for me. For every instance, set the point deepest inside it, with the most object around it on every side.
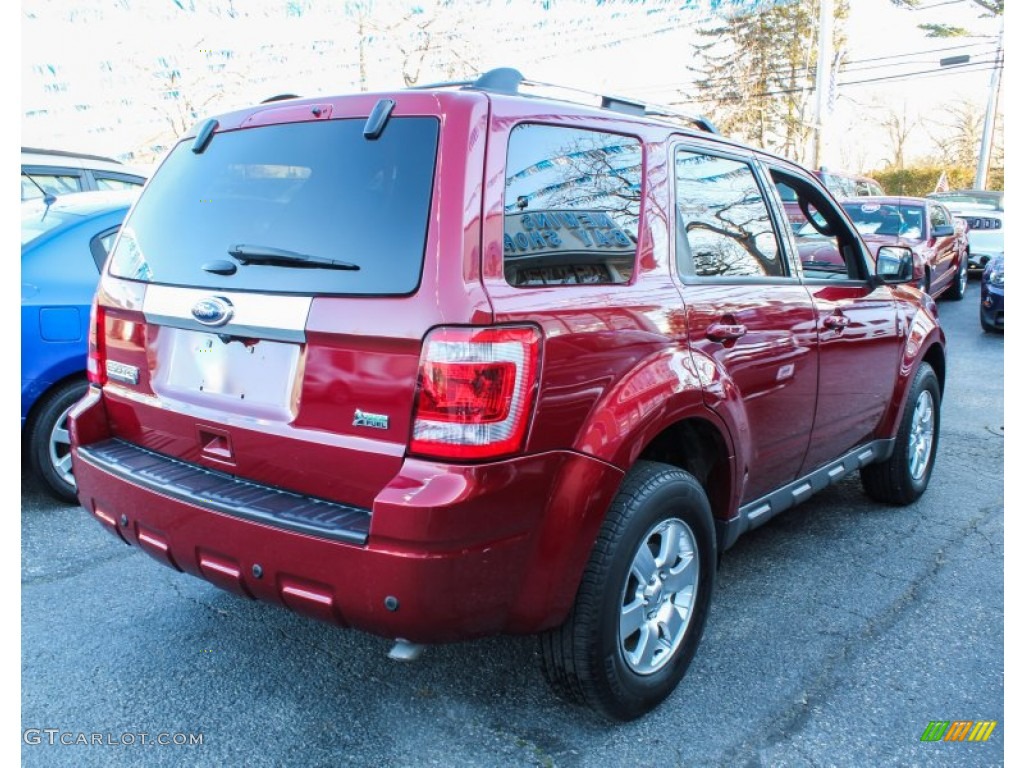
(996, 278)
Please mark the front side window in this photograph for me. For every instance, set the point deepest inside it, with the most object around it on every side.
(723, 228)
(572, 206)
(110, 182)
(35, 185)
(827, 249)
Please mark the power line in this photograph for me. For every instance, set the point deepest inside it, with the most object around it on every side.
(802, 89)
(808, 71)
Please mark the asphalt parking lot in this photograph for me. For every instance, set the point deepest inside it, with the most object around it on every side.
(837, 633)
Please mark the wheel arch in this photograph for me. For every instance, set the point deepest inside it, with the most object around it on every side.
(42, 397)
(700, 447)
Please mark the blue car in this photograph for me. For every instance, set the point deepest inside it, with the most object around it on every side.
(992, 282)
(64, 243)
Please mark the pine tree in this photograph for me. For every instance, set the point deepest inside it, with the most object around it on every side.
(757, 74)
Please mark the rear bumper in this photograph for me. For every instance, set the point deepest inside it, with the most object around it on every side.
(453, 552)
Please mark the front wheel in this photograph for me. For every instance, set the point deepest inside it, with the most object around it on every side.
(640, 610)
(903, 477)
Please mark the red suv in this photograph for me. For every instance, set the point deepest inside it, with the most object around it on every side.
(438, 364)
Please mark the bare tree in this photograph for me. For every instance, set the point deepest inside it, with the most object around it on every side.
(958, 137)
(989, 8)
(899, 127)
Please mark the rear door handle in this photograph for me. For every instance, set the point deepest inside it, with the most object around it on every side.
(837, 322)
(725, 332)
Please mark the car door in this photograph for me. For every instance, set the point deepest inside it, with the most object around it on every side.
(750, 322)
(942, 242)
(855, 318)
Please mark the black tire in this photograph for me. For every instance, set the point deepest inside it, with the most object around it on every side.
(901, 479)
(50, 413)
(986, 326)
(958, 288)
(585, 661)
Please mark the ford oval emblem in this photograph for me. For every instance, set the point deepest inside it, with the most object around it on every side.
(213, 310)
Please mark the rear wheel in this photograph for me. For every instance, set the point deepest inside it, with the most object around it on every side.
(642, 603)
(903, 477)
(49, 445)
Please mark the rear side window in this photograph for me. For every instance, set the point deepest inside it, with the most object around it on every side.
(572, 206)
(723, 228)
(49, 184)
(280, 201)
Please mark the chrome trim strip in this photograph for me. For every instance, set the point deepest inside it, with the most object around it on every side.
(259, 315)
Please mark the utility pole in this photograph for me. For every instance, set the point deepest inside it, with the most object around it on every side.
(981, 175)
(826, 15)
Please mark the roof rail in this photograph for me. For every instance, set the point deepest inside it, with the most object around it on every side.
(507, 80)
(63, 153)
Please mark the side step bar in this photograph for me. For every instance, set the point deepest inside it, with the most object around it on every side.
(764, 509)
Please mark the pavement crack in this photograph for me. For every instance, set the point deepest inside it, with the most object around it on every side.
(76, 570)
(778, 727)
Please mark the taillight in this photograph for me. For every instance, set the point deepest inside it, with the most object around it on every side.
(95, 365)
(475, 392)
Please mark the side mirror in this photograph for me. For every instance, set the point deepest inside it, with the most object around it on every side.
(894, 264)
(943, 231)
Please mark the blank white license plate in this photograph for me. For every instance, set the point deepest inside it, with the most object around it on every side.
(258, 377)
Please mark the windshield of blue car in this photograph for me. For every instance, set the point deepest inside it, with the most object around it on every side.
(906, 221)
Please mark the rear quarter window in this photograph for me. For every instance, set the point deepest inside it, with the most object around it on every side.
(572, 206)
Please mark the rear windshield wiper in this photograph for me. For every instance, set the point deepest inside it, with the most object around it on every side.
(260, 254)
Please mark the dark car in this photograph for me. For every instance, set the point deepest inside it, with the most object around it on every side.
(927, 227)
(992, 289)
(444, 363)
(63, 247)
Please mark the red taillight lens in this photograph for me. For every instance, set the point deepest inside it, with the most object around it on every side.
(95, 365)
(475, 392)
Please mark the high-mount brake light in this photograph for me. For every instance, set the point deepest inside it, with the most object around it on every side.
(95, 364)
(475, 391)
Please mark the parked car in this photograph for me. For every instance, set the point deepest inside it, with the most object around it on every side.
(843, 184)
(982, 211)
(58, 173)
(440, 400)
(992, 289)
(989, 198)
(63, 247)
(926, 227)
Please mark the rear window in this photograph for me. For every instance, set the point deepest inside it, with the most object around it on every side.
(317, 191)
